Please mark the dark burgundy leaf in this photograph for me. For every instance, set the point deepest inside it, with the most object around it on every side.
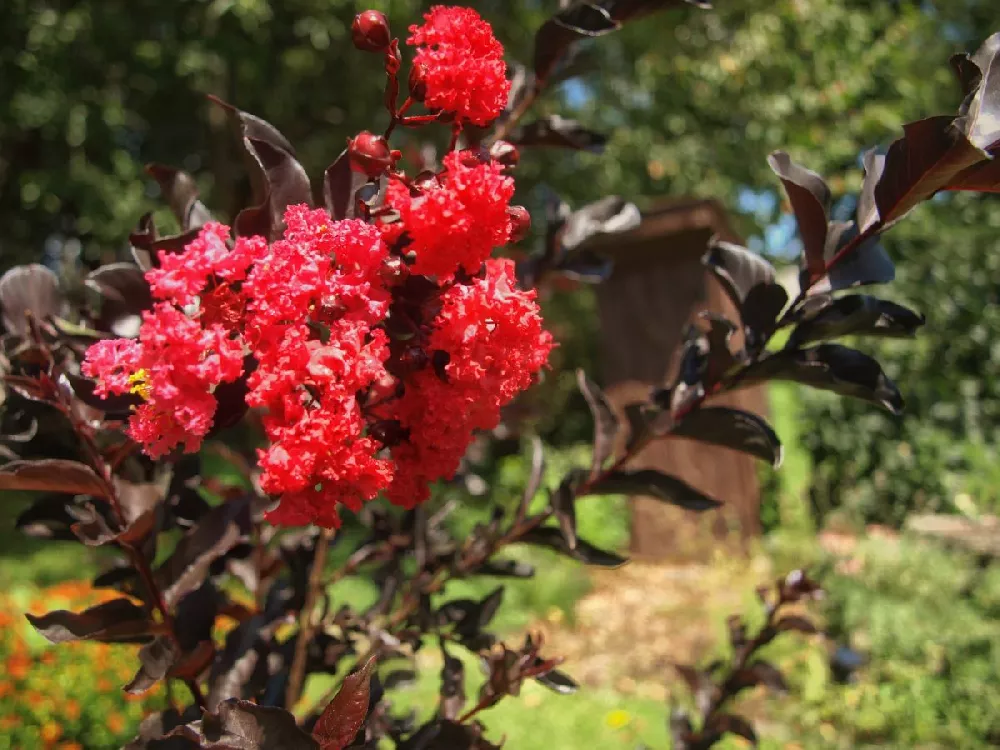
(83, 389)
(732, 428)
(535, 477)
(868, 263)
(195, 616)
(120, 576)
(242, 725)
(281, 181)
(116, 621)
(214, 535)
(856, 315)
(810, 199)
(586, 267)
(558, 132)
(507, 569)
(830, 367)
(156, 725)
(758, 673)
(156, 659)
(340, 184)
(181, 193)
(983, 177)
(452, 687)
(731, 724)
(48, 518)
(760, 310)
(28, 289)
(241, 668)
(343, 717)
(606, 424)
(124, 294)
(922, 162)
(547, 536)
(581, 20)
(52, 475)
(795, 623)
(609, 215)
(563, 502)
(740, 271)
(91, 527)
(656, 484)
(558, 682)
(979, 115)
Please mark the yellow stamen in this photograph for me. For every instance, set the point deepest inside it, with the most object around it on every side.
(139, 385)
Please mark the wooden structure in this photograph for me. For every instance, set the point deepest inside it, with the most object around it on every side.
(659, 285)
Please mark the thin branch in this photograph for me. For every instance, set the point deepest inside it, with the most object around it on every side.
(297, 673)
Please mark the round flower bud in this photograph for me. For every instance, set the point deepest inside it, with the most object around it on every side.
(370, 31)
(520, 221)
(369, 154)
(418, 81)
(505, 153)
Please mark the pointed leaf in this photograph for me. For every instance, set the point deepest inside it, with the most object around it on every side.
(856, 315)
(246, 726)
(343, 717)
(867, 263)
(558, 682)
(732, 724)
(27, 289)
(563, 501)
(558, 132)
(116, 621)
(214, 535)
(507, 569)
(156, 659)
(534, 478)
(830, 367)
(340, 185)
(656, 484)
(810, 199)
(758, 673)
(546, 536)
(124, 294)
(610, 215)
(452, 687)
(738, 270)
(606, 424)
(52, 475)
(181, 193)
(732, 428)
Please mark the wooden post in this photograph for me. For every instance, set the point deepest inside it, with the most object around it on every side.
(659, 285)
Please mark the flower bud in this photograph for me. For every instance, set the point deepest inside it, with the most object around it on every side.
(520, 221)
(505, 153)
(418, 81)
(369, 154)
(370, 31)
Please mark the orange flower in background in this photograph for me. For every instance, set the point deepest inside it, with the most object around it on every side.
(71, 746)
(51, 731)
(9, 722)
(71, 710)
(115, 723)
(18, 666)
(6, 689)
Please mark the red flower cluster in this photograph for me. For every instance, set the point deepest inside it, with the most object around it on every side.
(462, 64)
(377, 348)
(471, 201)
(493, 338)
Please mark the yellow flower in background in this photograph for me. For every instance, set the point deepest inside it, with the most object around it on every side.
(618, 719)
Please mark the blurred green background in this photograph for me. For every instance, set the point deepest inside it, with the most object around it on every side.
(693, 101)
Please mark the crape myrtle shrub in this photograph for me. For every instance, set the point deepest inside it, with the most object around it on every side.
(366, 332)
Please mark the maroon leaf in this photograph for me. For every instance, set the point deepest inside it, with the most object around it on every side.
(758, 673)
(181, 193)
(116, 621)
(563, 502)
(343, 717)
(214, 535)
(546, 536)
(452, 687)
(731, 724)
(124, 294)
(28, 289)
(280, 181)
(928, 156)
(91, 527)
(979, 178)
(656, 484)
(558, 132)
(52, 475)
(242, 725)
(48, 518)
(606, 424)
(810, 199)
(83, 389)
(795, 623)
(156, 660)
(732, 428)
